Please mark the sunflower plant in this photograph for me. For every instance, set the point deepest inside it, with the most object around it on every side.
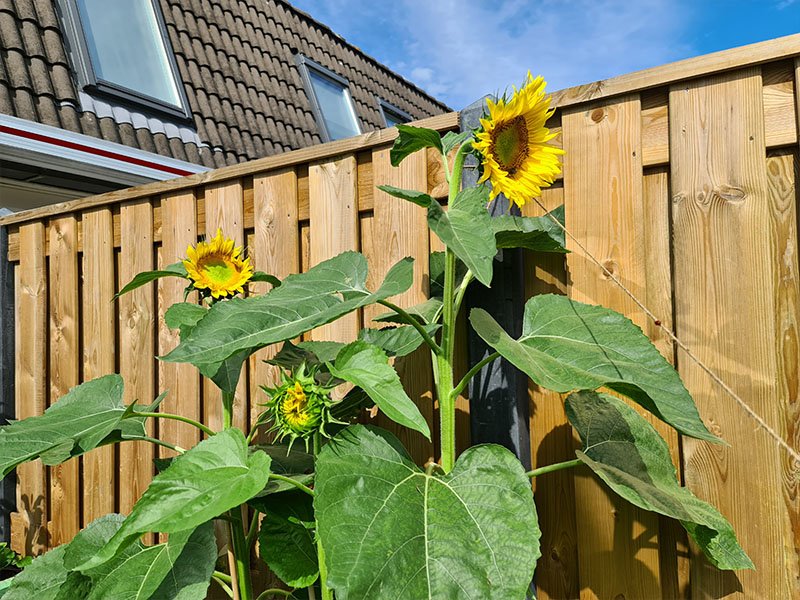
(338, 509)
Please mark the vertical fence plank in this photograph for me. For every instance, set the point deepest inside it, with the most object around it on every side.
(64, 368)
(182, 381)
(603, 194)
(136, 341)
(333, 215)
(400, 229)
(673, 543)
(276, 250)
(552, 439)
(726, 271)
(783, 169)
(99, 348)
(29, 523)
(225, 211)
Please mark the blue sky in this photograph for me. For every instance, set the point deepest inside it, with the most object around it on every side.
(459, 50)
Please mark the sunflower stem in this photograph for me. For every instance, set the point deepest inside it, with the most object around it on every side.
(415, 324)
(160, 415)
(289, 480)
(227, 409)
(444, 360)
(327, 593)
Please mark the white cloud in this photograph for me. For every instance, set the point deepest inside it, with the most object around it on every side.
(460, 50)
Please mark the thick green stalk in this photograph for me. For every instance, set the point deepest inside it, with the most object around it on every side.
(241, 555)
(327, 593)
(567, 464)
(443, 361)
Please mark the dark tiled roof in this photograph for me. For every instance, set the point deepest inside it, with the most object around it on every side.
(236, 60)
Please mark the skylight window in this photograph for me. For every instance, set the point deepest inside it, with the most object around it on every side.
(331, 100)
(392, 115)
(124, 51)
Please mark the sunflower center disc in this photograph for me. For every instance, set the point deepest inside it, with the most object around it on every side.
(218, 270)
(510, 144)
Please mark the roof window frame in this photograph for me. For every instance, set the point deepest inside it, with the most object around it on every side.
(387, 107)
(306, 65)
(87, 75)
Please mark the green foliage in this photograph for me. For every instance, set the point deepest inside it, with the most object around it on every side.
(286, 539)
(465, 228)
(410, 139)
(427, 312)
(390, 530)
(174, 270)
(289, 462)
(624, 450)
(368, 367)
(533, 233)
(324, 293)
(213, 477)
(9, 558)
(567, 345)
(90, 415)
(396, 341)
(179, 569)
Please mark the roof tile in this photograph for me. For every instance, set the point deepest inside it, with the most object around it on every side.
(236, 60)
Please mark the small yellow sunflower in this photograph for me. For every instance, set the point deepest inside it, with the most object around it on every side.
(513, 140)
(217, 266)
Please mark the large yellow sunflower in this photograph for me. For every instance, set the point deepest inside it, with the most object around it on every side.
(513, 140)
(216, 265)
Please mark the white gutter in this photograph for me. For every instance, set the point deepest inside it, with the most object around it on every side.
(53, 148)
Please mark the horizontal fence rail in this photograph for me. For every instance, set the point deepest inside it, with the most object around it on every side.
(681, 180)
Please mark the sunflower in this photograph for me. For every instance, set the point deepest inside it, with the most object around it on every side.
(299, 407)
(513, 142)
(218, 267)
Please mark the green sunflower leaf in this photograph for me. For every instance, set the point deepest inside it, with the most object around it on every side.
(216, 475)
(179, 569)
(286, 538)
(627, 453)
(472, 533)
(174, 270)
(465, 227)
(540, 234)
(88, 416)
(452, 140)
(367, 366)
(265, 277)
(426, 312)
(397, 341)
(326, 292)
(567, 345)
(410, 139)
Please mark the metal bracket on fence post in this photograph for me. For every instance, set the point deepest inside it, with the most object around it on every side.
(7, 329)
(498, 394)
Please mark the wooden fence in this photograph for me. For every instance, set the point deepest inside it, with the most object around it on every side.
(680, 179)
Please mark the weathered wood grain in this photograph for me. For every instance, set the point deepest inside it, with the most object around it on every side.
(224, 210)
(99, 349)
(726, 271)
(333, 212)
(275, 250)
(604, 209)
(29, 523)
(64, 367)
(399, 229)
(136, 345)
(182, 381)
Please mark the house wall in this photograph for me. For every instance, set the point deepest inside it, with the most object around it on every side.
(680, 180)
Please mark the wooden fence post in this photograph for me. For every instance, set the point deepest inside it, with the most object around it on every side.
(8, 485)
(498, 394)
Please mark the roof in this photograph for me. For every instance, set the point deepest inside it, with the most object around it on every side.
(237, 62)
